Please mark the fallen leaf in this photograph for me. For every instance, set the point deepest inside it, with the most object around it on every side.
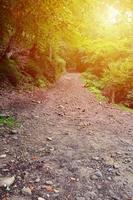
(34, 158)
(49, 188)
(31, 187)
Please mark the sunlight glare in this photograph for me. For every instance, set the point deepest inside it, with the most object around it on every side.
(129, 16)
(112, 15)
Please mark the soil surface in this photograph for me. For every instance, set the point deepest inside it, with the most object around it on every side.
(68, 145)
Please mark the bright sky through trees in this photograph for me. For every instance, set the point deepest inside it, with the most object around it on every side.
(112, 15)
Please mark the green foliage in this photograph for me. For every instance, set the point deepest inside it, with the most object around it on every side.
(7, 121)
(60, 66)
(130, 95)
(32, 68)
(9, 68)
(116, 82)
(119, 78)
(41, 82)
(119, 73)
(50, 24)
(93, 83)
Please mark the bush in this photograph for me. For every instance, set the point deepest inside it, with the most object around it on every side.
(60, 66)
(9, 69)
(93, 83)
(117, 80)
(32, 68)
(41, 82)
(129, 101)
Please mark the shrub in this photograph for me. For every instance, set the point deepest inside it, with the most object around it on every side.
(9, 69)
(7, 121)
(60, 66)
(41, 82)
(118, 80)
(93, 83)
(32, 68)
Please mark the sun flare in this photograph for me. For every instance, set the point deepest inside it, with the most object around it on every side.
(112, 15)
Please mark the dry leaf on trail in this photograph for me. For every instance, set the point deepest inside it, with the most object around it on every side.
(49, 188)
(34, 158)
(31, 187)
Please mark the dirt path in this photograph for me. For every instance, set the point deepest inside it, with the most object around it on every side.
(83, 147)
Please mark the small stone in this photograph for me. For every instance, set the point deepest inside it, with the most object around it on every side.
(99, 187)
(56, 191)
(19, 178)
(94, 177)
(36, 116)
(40, 198)
(4, 115)
(37, 180)
(95, 158)
(49, 149)
(15, 137)
(49, 138)
(5, 170)
(109, 178)
(7, 181)
(110, 170)
(80, 198)
(116, 166)
(3, 156)
(99, 174)
(2, 166)
(6, 151)
(90, 195)
(49, 183)
(118, 173)
(60, 106)
(34, 101)
(26, 191)
(55, 196)
(14, 132)
(15, 186)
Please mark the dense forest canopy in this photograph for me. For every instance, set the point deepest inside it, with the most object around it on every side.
(39, 40)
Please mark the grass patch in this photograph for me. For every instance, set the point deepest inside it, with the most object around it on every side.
(8, 121)
(97, 93)
(93, 84)
(123, 107)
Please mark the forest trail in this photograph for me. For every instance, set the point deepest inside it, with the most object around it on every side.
(70, 146)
